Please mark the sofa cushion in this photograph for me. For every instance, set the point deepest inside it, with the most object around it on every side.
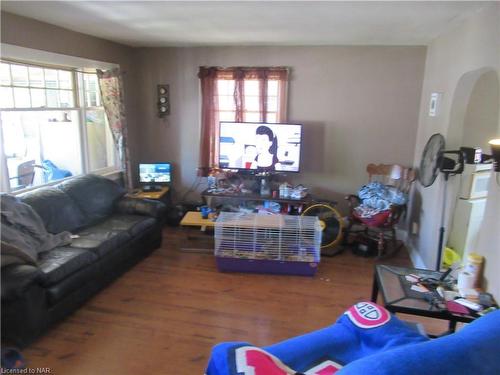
(95, 195)
(133, 224)
(61, 262)
(57, 210)
(74, 283)
(100, 241)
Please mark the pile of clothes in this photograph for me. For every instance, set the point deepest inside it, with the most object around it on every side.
(23, 233)
(377, 198)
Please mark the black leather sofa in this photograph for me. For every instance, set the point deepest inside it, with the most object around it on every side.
(114, 232)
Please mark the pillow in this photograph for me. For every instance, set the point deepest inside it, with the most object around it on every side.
(58, 211)
(95, 195)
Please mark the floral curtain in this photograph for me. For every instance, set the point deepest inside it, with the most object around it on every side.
(111, 88)
(210, 103)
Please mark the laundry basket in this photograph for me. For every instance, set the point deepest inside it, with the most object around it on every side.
(278, 244)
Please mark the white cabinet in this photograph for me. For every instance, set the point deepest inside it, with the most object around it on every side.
(466, 224)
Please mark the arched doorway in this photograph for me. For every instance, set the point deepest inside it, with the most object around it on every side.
(474, 119)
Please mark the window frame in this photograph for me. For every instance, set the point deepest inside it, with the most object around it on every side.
(244, 111)
(73, 88)
(80, 106)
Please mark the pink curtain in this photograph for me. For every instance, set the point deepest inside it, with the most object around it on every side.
(209, 120)
(111, 88)
(239, 93)
(263, 82)
(209, 76)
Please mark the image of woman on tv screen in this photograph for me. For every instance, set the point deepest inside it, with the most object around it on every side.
(266, 144)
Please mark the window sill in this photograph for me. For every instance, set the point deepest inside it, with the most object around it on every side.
(110, 173)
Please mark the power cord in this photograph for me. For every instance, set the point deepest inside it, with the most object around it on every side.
(194, 186)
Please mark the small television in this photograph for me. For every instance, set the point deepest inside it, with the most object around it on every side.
(152, 176)
(260, 147)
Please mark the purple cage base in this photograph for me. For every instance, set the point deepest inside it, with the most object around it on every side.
(226, 264)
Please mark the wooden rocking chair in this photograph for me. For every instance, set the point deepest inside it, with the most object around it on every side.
(382, 228)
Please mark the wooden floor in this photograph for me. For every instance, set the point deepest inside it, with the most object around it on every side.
(165, 314)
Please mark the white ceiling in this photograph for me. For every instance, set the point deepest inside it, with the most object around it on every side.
(203, 23)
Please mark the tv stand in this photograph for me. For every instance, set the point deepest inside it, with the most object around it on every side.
(151, 188)
(161, 194)
(208, 196)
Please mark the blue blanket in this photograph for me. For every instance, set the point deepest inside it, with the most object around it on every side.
(366, 339)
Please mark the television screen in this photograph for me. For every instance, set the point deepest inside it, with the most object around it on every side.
(155, 173)
(260, 146)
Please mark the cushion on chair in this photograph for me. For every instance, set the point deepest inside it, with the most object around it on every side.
(57, 210)
(376, 220)
(367, 340)
(95, 195)
(362, 331)
(471, 350)
(61, 262)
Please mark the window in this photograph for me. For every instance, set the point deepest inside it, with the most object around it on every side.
(100, 147)
(53, 125)
(251, 109)
(239, 95)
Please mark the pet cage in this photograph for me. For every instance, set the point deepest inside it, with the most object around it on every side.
(280, 244)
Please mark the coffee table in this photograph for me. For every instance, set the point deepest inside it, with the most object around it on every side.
(398, 298)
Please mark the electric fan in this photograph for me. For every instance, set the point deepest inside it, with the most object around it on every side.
(429, 165)
(433, 161)
(331, 226)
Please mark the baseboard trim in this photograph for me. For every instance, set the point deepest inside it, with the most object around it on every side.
(414, 254)
(402, 235)
(415, 257)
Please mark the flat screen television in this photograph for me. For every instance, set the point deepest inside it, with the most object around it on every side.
(260, 147)
(152, 175)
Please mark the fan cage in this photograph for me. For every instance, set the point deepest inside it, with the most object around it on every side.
(268, 237)
(325, 212)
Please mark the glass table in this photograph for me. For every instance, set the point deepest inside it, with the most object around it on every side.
(399, 298)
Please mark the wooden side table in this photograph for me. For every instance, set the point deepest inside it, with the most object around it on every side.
(192, 220)
(159, 195)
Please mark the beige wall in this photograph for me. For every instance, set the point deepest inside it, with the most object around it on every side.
(357, 104)
(481, 116)
(29, 33)
(455, 61)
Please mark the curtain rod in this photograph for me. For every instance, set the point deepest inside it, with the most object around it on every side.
(247, 67)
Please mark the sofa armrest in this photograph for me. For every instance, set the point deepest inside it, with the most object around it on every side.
(17, 278)
(137, 206)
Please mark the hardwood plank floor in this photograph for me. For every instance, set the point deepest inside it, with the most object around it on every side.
(165, 314)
